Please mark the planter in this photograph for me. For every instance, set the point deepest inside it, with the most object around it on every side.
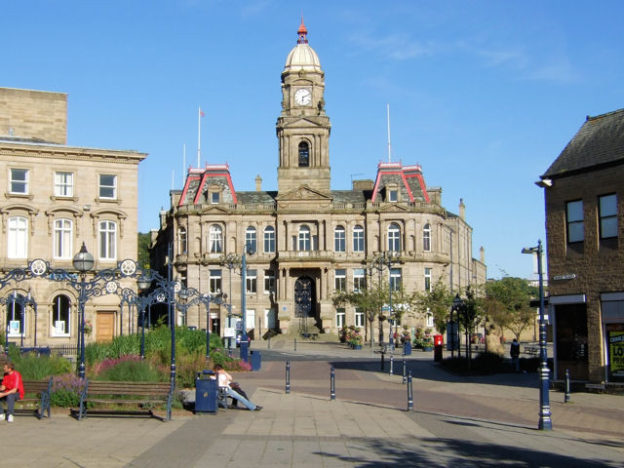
(407, 348)
(356, 346)
(427, 348)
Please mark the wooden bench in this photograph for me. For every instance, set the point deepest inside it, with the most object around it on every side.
(108, 393)
(37, 394)
(532, 350)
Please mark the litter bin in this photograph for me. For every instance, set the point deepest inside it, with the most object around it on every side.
(407, 348)
(205, 393)
(256, 360)
(438, 342)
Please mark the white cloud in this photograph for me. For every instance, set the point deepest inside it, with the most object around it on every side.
(394, 46)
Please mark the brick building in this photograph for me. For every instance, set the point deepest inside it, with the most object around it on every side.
(308, 240)
(56, 197)
(585, 229)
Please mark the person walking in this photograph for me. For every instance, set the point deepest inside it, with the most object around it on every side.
(11, 390)
(514, 352)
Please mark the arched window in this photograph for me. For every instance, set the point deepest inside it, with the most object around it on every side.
(60, 315)
(304, 238)
(394, 238)
(108, 240)
(63, 229)
(182, 242)
(250, 239)
(15, 314)
(427, 237)
(358, 239)
(339, 239)
(269, 239)
(17, 238)
(215, 239)
(304, 154)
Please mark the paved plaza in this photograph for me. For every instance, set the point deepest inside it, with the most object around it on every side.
(457, 421)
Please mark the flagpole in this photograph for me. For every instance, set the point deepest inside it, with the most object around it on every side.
(183, 163)
(199, 137)
(389, 144)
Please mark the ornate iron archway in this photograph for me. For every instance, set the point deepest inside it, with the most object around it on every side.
(304, 297)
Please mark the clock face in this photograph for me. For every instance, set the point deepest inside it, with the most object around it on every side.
(303, 97)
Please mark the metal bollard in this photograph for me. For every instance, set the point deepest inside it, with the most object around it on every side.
(410, 392)
(404, 372)
(269, 343)
(566, 398)
(332, 384)
(295, 344)
(383, 355)
(287, 376)
(391, 364)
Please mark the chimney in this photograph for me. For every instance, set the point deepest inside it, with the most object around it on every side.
(462, 209)
(258, 183)
(482, 255)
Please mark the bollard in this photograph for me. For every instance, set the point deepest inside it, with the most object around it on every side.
(410, 393)
(382, 361)
(566, 398)
(404, 372)
(287, 376)
(269, 343)
(391, 364)
(332, 384)
(295, 344)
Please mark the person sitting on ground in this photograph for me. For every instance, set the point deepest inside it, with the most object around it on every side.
(225, 381)
(11, 390)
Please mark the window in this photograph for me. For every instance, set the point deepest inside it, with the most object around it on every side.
(394, 238)
(17, 238)
(574, 215)
(607, 206)
(215, 239)
(304, 238)
(108, 236)
(340, 280)
(63, 184)
(340, 318)
(395, 279)
(214, 198)
(182, 243)
(393, 195)
(359, 279)
(269, 281)
(15, 314)
(429, 319)
(19, 181)
(339, 239)
(63, 230)
(252, 281)
(358, 239)
(215, 281)
(427, 237)
(250, 239)
(60, 315)
(108, 186)
(428, 279)
(304, 154)
(359, 318)
(269, 239)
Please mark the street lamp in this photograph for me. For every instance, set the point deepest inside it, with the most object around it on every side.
(380, 262)
(457, 307)
(545, 423)
(232, 262)
(244, 344)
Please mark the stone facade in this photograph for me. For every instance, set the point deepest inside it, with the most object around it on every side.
(56, 197)
(308, 240)
(584, 225)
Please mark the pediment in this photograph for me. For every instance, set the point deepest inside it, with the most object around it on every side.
(302, 123)
(394, 208)
(304, 193)
(214, 209)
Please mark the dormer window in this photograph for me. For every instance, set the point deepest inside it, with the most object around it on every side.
(215, 198)
(304, 154)
(392, 193)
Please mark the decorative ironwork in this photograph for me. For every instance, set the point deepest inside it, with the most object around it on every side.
(303, 297)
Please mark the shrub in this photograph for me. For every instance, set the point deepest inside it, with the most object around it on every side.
(33, 367)
(130, 368)
(66, 390)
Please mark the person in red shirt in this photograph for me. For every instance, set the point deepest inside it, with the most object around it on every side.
(11, 390)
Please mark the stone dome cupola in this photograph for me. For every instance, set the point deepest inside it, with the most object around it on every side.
(302, 57)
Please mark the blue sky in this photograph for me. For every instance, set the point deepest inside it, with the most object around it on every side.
(483, 94)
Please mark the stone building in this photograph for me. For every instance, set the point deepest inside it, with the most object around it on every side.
(55, 198)
(584, 225)
(307, 240)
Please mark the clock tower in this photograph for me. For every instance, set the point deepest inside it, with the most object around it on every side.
(303, 127)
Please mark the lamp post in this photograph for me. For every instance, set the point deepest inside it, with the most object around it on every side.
(244, 344)
(386, 260)
(457, 306)
(232, 262)
(545, 423)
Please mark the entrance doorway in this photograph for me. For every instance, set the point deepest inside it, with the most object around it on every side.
(105, 326)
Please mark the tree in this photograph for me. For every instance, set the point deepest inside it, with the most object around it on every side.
(507, 304)
(369, 300)
(143, 245)
(469, 316)
(438, 301)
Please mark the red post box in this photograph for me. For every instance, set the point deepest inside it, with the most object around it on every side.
(438, 340)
